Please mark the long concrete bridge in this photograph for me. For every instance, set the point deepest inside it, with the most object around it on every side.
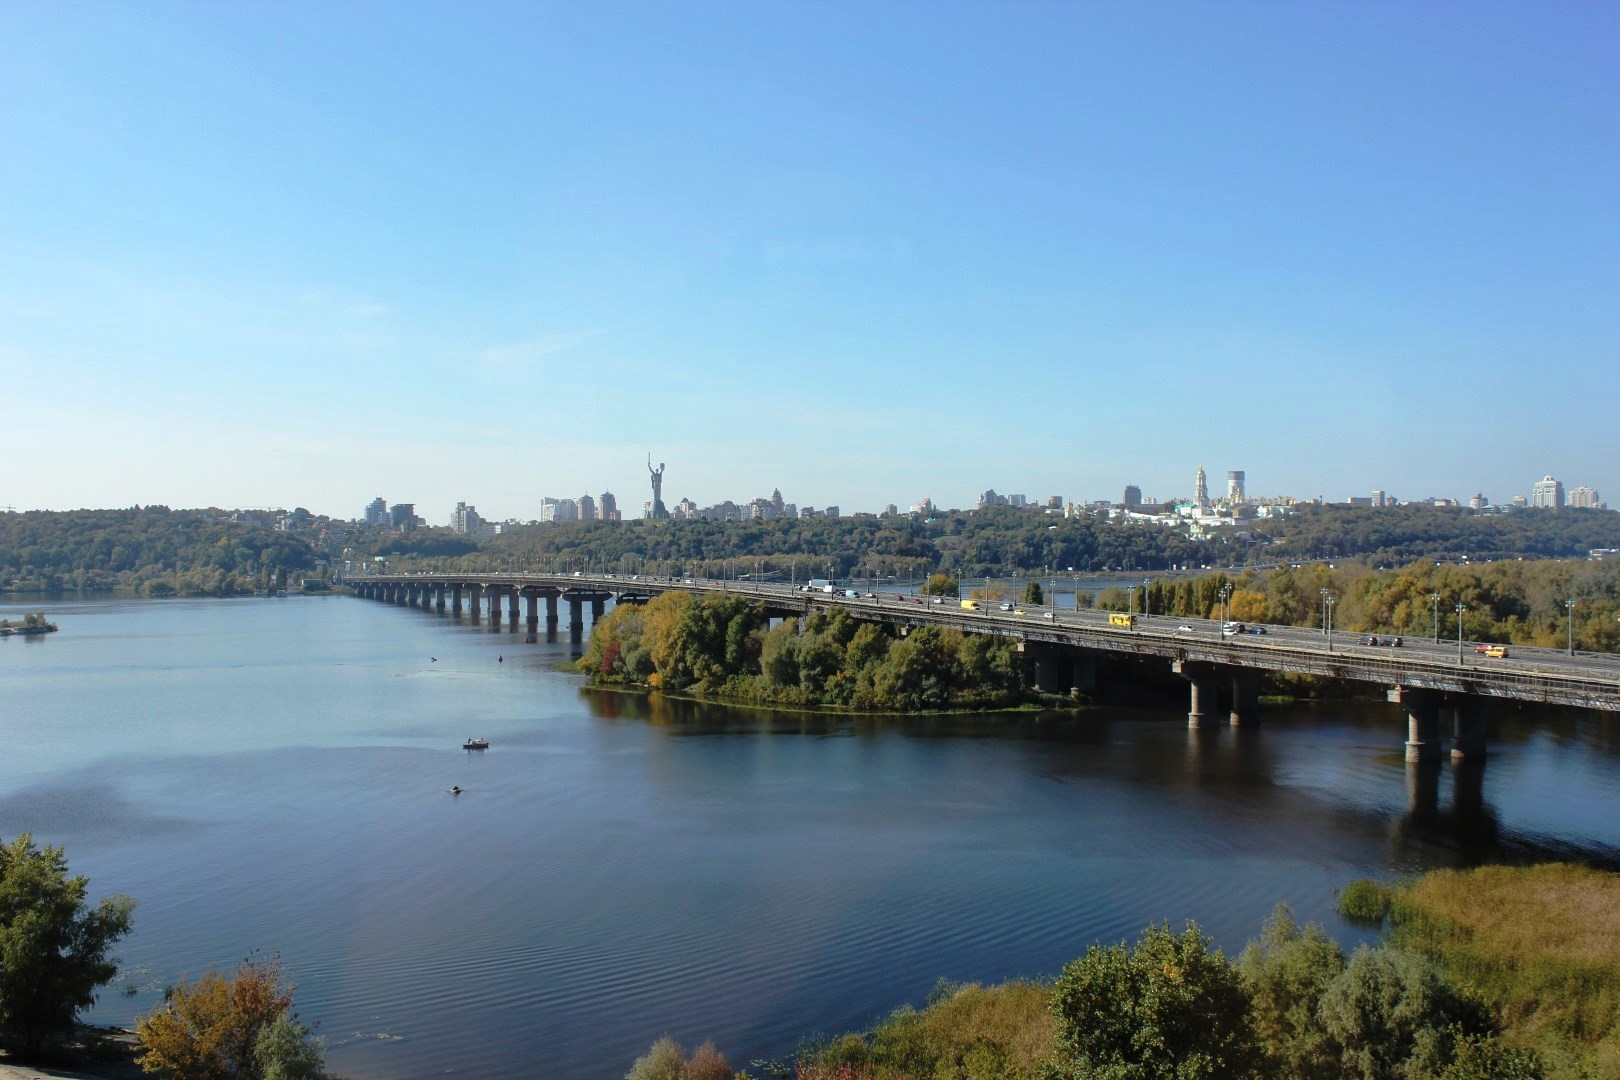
(1426, 676)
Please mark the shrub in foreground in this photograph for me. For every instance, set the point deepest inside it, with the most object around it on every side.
(237, 1026)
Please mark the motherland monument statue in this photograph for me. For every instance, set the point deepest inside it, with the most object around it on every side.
(656, 510)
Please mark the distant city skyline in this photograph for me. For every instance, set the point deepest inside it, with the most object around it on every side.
(283, 256)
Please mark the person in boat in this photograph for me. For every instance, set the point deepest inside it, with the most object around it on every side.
(456, 790)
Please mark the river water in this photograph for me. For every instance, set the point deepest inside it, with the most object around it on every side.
(272, 775)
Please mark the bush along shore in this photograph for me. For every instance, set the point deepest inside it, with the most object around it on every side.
(1497, 973)
(722, 646)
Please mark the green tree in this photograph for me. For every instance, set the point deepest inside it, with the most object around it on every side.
(53, 946)
(1169, 1008)
(940, 585)
(1285, 973)
(1033, 593)
(1390, 1014)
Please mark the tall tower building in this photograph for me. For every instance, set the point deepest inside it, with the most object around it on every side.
(1234, 485)
(1133, 495)
(1548, 492)
(1201, 489)
(607, 507)
(587, 508)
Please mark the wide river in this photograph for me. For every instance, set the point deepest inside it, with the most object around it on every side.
(272, 775)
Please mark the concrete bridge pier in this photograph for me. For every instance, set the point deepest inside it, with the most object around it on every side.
(512, 606)
(1200, 678)
(1083, 671)
(455, 600)
(1052, 674)
(1245, 697)
(576, 617)
(532, 623)
(1468, 727)
(438, 598)
(475, 599)
(598, 606)
(551, 615)
(1422, 721)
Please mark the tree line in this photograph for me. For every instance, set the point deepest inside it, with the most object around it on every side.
(151, 550)
(1520, 603)
(1003, 541)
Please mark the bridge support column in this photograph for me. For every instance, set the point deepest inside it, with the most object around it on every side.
(1083, 671)
(1201, 680)
(512, 606)
(1422, 721)
(1245, 697)
(576, 616)
(551, 614)
(455, 600)
(1468, 730)
(438, 598)
(598, 606)
(475, 600)
(532, 623)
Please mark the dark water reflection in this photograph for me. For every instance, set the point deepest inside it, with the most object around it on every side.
(272, 774)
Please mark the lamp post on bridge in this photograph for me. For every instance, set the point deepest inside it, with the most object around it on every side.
(1130, 599)
(1460, 610)
(1330, 621)
(1436, 598)
(1324, 593)
(1569, 608)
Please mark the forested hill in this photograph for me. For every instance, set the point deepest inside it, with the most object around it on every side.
(1014, 541)
(1399, 534)
(152, 550)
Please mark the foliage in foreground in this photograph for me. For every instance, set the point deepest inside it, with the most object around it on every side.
(1540, 946)
(971, 1032)
(53, 946)
(1496, 973)
(719, 645)
(667, 1060)
(238, 1026)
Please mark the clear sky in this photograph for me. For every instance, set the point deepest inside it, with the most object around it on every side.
(278, 254)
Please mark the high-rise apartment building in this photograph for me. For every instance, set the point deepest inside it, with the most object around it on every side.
(1133, 495)
(607, 507)
(377, 512)
(1478, 502)
(587, 508)
(1548, 492)
(1585, 497)
(465, 520)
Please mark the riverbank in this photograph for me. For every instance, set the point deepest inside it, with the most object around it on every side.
(1495, 971)
(95, 1053)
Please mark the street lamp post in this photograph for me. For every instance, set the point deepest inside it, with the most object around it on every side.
(1436, 598)
(1330, 621)
(1324, 593)
(1569, 608)
(1130, 599)
(1460, 610)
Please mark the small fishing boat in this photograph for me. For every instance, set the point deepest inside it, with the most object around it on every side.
(475, 744)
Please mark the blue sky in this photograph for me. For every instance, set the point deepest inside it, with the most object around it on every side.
(280, 254)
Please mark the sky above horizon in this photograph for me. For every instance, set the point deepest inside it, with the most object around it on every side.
(307, 255)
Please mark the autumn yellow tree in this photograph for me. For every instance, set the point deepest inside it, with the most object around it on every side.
(237, 1026)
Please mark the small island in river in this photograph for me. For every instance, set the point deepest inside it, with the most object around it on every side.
(32, 624)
